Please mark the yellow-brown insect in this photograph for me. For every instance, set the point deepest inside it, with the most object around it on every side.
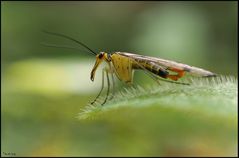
(123, 64)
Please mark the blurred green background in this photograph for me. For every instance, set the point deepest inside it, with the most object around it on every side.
(43, 89)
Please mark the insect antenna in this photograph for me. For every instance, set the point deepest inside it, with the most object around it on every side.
(61, 46)
(72, 39)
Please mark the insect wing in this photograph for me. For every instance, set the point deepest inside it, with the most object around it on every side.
(170, 64)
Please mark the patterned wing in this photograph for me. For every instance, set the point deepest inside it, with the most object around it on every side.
(171, 65)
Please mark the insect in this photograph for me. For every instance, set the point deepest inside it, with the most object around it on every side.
(122, 65)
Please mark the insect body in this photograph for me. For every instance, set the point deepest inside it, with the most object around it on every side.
(123, 64)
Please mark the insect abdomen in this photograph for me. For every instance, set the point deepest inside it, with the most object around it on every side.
(157, 70)
(152, 67)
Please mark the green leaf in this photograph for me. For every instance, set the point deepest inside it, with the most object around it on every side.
(207, 96)
(171, 119)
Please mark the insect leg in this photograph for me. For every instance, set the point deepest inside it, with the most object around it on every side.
(176, 82)
(102, 86)
(113, 86)
(108, 88)
(113, 81)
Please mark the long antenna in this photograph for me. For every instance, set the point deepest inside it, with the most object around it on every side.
(62, 46)
(70, 38)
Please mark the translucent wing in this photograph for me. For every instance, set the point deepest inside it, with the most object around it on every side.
(169, 64)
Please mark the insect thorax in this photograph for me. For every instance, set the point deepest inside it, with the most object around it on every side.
(123, 67)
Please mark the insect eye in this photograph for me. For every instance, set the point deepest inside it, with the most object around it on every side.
(100, 55)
